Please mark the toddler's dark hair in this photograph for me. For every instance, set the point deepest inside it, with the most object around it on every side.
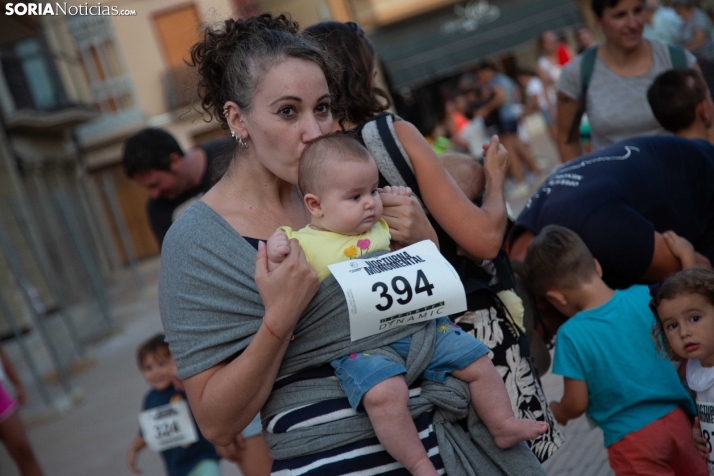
(154, 346)
(697, 280)
(557, 257)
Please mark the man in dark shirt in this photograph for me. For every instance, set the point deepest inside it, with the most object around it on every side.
(174, 179)
(621, 199)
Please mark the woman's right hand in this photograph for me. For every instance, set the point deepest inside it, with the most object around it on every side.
(287, 290)
(408, 224)
(681, 248)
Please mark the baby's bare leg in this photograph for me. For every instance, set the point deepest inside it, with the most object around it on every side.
(278, 247)
(489, 398)
(386, 405)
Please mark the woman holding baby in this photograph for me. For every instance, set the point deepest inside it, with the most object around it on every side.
(245, 338)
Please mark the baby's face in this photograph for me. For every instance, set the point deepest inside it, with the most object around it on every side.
(350, 201)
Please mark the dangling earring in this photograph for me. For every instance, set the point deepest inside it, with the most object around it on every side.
(242, 143)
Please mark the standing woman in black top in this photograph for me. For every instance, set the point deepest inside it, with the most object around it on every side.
(464, 229)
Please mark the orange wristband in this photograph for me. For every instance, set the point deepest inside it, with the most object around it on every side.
(289, 339)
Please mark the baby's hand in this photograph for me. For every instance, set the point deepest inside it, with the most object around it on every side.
(681, 248)
(278, 248)
(699, 440)
(404, 191)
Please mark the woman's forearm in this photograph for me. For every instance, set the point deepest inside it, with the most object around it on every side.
(226, 397)
(566, 116)
(225, 402)
(700, 37)
(494, 207)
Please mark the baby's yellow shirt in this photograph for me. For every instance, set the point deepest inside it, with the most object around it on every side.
(322, 248)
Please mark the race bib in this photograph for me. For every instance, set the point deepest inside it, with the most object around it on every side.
(168, 426)
(412, 285)
(706, 419)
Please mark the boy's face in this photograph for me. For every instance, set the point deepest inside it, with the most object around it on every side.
(350, 202)
(158, 369)
(688, 323)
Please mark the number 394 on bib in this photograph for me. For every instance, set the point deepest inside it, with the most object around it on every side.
(412, 285)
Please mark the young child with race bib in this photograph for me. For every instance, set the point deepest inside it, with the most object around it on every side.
(684, 306)
(339, 182)
(610, 366)
(158, 368)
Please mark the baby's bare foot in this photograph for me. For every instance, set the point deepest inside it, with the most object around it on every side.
(513, 431)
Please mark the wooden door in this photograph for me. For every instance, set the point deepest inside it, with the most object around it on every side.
(178, 31)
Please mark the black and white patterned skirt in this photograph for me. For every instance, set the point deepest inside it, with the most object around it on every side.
(492, 327)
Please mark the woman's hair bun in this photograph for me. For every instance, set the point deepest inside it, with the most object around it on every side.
(214, 55)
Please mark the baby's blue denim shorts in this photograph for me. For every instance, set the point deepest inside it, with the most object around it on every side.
(454, 349)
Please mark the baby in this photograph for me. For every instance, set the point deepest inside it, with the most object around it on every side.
(339, 182)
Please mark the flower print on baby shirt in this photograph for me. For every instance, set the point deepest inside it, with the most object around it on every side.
(362, 245)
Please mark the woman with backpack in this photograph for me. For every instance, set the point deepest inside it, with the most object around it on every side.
(610, 81)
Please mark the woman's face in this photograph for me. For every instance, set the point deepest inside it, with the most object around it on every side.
(549, 42)
(623, 23)
(585, 38)
(291, 106)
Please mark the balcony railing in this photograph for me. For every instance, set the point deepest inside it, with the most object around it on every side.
(31, 76)
(38, 98)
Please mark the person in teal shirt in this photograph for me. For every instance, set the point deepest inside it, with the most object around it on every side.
(608, 359)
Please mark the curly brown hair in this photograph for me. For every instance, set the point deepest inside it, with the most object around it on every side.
(347, 43)
(697, 280)
(233, 56)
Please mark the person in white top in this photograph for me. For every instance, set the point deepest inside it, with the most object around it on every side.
(684, 306)
(536, 99)
(661, 23)
(549, 68)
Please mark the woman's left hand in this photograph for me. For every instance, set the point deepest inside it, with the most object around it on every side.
(408, 224)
